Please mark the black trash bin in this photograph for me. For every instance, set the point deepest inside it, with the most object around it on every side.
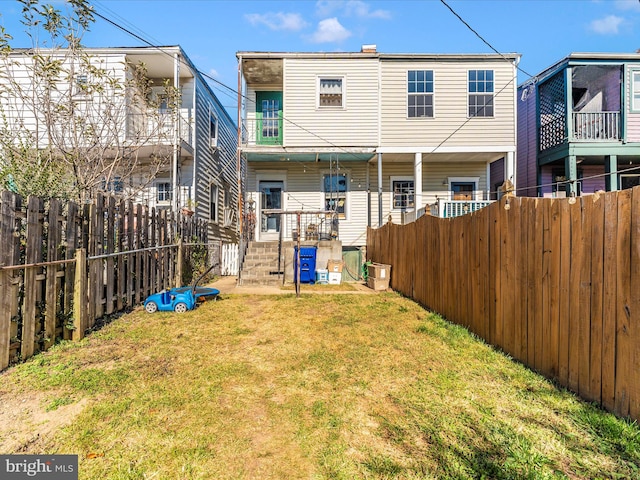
(307, 268)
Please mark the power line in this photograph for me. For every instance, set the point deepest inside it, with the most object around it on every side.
(232, 90)
(480, 36)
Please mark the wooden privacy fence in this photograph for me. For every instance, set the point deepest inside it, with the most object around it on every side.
(62, 267)
(556, 285)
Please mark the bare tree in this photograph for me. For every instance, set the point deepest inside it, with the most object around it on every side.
(74, 121)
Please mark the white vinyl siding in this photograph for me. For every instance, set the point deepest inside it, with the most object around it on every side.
(308, 125)
(453, 128)
(303, 192)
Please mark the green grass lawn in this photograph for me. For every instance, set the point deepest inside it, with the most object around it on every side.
(319, 387)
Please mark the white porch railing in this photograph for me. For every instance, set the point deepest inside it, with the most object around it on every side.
(455, 208)
(158, 127)
(596, 126)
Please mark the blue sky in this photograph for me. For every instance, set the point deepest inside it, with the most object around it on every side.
(212, 31)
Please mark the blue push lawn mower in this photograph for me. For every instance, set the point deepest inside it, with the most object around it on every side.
(181, 299)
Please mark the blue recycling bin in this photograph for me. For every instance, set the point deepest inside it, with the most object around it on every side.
(307, 267)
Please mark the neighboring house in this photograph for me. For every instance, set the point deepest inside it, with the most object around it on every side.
(373, 137)
(579, 126)
(197, 141)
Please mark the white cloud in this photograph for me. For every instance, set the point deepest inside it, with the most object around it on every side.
(628, 5)
(213, 73)
(350, 8)
(327, 7)
(607, 25)
(330, 30)
(358, 8)
(277, 21)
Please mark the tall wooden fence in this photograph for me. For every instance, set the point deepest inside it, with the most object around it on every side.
(63, 267)
(555, 285)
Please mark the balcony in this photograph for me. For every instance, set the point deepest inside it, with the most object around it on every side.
(158, 127)
(261, 131)
(596, 127)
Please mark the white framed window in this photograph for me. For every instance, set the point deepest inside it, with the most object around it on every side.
(164, 193)
(628, 180)
(213, 129)
(420, 93)
(335, 191)
(331, 92)
(635, 90)
(213, 202)
(402, 193)
(463, 188)
(480, 88)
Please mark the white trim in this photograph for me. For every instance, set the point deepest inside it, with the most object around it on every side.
(475, 180)
(497, 149)
(401, 178)
(343, 79)
(268, 176)
(635, 108)
(493, 93)
(407, 93)
(217, 202)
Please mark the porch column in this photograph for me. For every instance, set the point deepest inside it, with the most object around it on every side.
(571, 172)
(611, 169)
(417, 179)
(510, 168)
(379, 189)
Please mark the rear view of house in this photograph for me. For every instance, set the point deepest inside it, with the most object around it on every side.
(579, 126)
(356, 139)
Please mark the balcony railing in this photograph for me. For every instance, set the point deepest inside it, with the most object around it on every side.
(455, 208)
(259, 131)
(158, 127)
(596, 126)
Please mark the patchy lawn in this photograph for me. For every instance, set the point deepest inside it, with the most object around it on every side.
(322, 387)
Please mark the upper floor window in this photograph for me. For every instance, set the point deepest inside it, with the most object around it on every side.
(331, 92)
(335, 194)
(480, 86)
(420, 93)
(213, 130)
(635, 90)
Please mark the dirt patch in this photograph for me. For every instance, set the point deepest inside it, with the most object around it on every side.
(29, 418)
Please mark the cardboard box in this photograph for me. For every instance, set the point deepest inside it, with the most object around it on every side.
(379, 270)
(378, 283)
(335, 265)
(335, 278)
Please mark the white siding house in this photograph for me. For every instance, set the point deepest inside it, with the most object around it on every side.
(196, 142)
(370, 136)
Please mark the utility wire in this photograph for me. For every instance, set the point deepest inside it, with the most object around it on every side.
(232, 90)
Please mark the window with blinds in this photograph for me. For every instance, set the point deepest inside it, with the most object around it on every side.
(330, 92)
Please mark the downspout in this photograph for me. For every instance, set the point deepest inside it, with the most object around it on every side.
(241, 240)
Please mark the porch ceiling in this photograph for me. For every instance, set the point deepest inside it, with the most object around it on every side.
(480, 157)
(262, 71)
(308, 157)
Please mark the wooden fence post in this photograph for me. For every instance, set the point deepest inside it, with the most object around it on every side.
(80, 295)
(32, 292)
(179, 259)
(8, 253)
